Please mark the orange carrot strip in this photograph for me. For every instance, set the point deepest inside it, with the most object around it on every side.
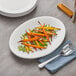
(31, 39)
(47, 36)
(40, 41)
(32, 42)
(28, 48)
(42, 26)
(37, 43)
(35, 46)
(45, 33)
(37, 34)
(49, 33)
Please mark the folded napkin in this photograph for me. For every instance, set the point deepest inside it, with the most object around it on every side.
(59, 62)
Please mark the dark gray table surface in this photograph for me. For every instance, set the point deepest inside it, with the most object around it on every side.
(10, 65)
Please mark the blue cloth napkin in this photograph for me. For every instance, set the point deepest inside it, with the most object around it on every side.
(59, 62)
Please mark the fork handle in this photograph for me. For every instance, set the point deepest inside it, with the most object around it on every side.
(41, 65)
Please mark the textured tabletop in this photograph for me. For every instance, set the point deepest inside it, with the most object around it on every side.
(10, 65)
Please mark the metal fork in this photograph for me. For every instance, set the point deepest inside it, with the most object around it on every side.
(66, 50)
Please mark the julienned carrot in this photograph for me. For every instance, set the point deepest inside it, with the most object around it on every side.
(36, 40)
(47, 36)
(40, 41)
(35, 46)
(32, 42)
(49, 33)
(45, 32)
(37, 43)
(50, 28)
(42, 26)
(28, 48)
(31, 39)
(36, 34)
